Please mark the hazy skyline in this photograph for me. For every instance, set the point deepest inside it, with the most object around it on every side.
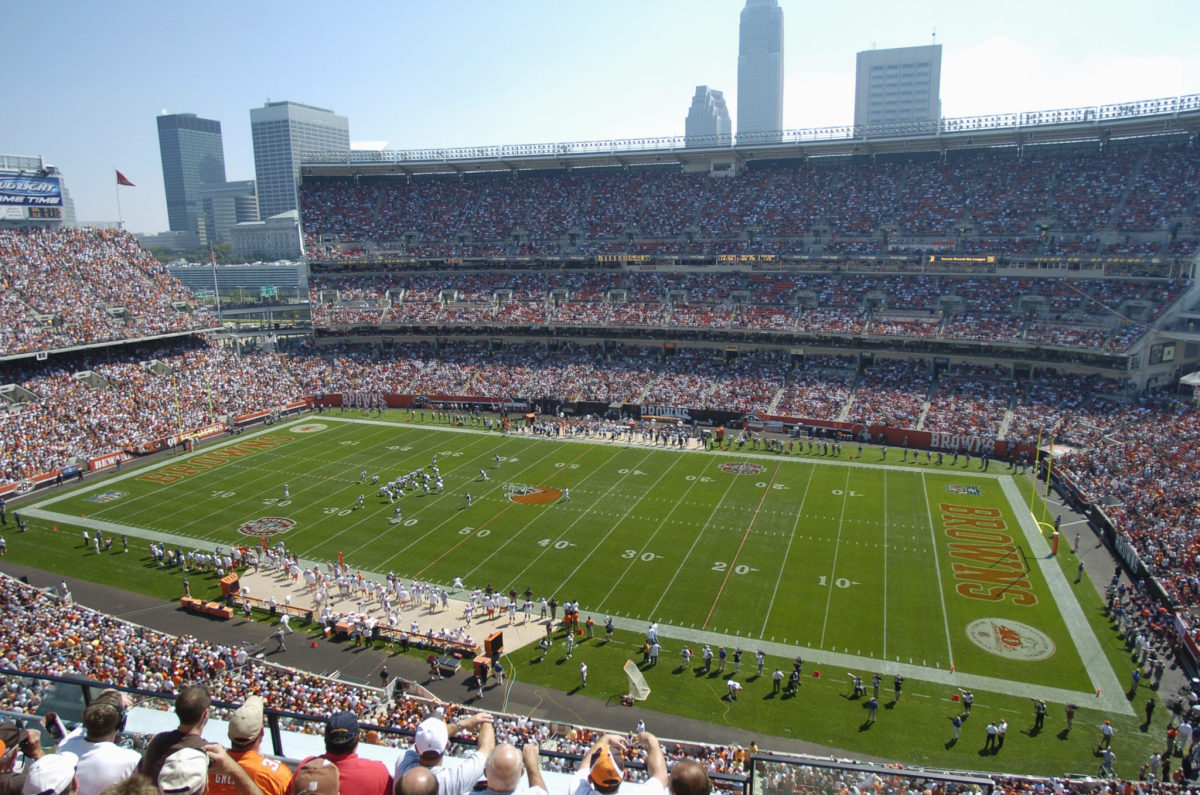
(88, 79)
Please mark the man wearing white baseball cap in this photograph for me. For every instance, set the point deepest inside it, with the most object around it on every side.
(51, 774)
(429, 748)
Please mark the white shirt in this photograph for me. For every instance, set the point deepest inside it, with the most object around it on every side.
(100, 764)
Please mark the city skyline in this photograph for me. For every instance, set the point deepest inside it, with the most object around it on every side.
(524, 74)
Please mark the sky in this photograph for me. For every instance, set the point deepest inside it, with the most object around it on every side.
(86, 79)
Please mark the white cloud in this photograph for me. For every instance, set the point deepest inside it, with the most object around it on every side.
(1000, 75)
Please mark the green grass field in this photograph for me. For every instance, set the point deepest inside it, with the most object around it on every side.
(857, 565)
(888, 562)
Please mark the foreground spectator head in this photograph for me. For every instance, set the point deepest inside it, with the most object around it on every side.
(431, 739)
(192, 705)
(246, 724)
(503, 768)
(606, 772)
(101, 721)
(134, 785)
(52, 774)
(184, 772)
(317, 776)
(341, 733)
(689, 778)
(417, 781)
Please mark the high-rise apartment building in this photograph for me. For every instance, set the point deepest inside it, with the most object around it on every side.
(192, 157)
(899, 86)
(283, 133)
(708, 121)
(760, 72)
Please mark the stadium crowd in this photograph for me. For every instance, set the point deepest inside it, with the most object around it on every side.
(1077, 313)
(1125, 199)
(71, 287)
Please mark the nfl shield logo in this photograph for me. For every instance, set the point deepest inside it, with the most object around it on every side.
(956, 488)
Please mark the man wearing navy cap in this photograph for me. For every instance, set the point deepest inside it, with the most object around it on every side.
(357, 775)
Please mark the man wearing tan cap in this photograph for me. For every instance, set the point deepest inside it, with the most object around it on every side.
(245, 737)
(317, 776)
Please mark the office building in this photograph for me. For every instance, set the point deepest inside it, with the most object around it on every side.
(283, 133)
(192, 157)
(271, 238)
(760, 72)
(225, 205)
(900, 86)
(708, 121)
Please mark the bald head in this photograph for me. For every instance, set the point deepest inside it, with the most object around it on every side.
(688, 778)
(503, 768)
(417, 781)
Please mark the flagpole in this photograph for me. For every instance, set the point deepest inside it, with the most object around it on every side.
(117, 188)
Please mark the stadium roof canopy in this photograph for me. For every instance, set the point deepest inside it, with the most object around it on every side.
(1099, 124)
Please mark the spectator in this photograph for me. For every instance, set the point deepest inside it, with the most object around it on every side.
(505, 765)
(317, 776)
(245, 738)
(355, 774)
(191, 707)
(688, 778)
(602, 771)
(429, 747)
(52, 774)
(101, 760)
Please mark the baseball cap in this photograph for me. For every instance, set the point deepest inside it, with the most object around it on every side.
(318, 776)
(605, 772)
(52, 773)
(432, 737)
(12, 735)
(341, 728)
(184, 772)
(247, 720)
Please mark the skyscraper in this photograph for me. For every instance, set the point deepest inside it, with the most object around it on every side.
(192, 156)
(225, 205)
(898, 86)
(760, 72)
(283, 133)
(708, 119)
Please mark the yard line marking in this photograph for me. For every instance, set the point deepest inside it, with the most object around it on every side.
(885, 568)
(937, 568)
(791, 537)
(612, 529)
(733, 563)
(687, 555)
(833, 566)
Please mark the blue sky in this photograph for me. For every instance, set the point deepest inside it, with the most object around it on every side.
(86, 79)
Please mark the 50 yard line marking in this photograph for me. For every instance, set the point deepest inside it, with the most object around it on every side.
(733, 563)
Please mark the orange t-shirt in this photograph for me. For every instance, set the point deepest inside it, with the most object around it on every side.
(272, 777)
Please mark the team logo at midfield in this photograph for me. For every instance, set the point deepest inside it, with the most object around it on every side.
(1010, 639)
(267, 526)
(531, 495)
(956, 488)
(743, 468)
(106, 496)
(309, 427)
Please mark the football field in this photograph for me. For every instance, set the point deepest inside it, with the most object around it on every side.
(907, 567)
